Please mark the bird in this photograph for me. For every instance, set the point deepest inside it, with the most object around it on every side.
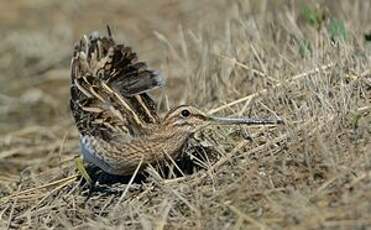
(116, 116)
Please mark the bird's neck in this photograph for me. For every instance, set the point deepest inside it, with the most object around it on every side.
(172, 140)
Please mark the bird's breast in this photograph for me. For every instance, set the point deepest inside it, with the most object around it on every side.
(127, 156)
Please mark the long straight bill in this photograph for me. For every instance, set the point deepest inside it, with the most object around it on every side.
(245, 121)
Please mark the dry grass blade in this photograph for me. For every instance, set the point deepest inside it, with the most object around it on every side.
(128, 185)
(247, 217)
(30, 191)
(264, 91)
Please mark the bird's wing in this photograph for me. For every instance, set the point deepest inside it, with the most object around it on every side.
(109, 92)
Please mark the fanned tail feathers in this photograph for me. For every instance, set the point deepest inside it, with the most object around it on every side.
(109, 89)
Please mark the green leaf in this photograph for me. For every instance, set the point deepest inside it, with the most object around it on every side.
(313, 16)
(305, 48)
(337, 30)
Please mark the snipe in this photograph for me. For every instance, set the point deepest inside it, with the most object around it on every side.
(116, 117)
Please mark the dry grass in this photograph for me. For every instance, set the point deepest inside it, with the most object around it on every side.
(240, 58)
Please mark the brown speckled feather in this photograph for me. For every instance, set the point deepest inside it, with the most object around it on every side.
(109, 96)
(110, 101)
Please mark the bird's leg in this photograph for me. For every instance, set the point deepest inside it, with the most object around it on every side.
(91, 190)
(82, 170)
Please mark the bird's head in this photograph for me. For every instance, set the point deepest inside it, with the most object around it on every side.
(186, 118)
(190, 119)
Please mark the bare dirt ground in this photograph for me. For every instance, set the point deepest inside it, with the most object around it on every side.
(306, 62)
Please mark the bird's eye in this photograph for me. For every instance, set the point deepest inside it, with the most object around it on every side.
(185, 113)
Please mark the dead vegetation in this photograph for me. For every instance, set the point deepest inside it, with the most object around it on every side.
(308, 63)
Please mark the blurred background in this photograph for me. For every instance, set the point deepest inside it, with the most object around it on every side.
(38, 37)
